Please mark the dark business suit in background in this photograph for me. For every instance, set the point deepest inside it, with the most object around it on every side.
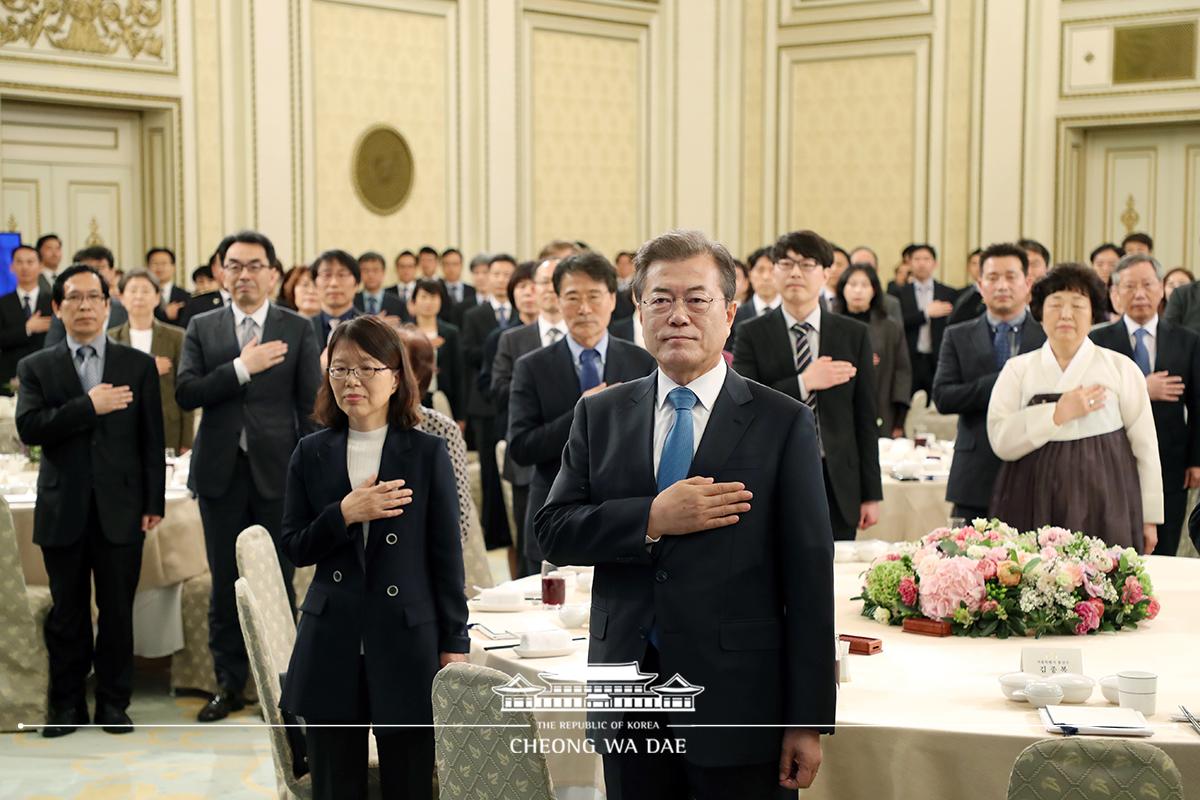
(15, 343)
(765, 351)
(746, 611)
(238, 488)
(322, 324)
(924, 365)
(545, 393)
(391, 305)
(98, 476)
(1177, 350)
(485, 429)
(968, 306)
(206, 301)
(451, 372)
(176, 295)
(966, 373)
(378, 613)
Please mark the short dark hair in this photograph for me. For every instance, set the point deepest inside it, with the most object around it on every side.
(421, 356)
(841, 250)
(1071, 277)
(978, 251)
(762, 252)
(858, 247)
(427, 285)
(202, 271)
(908, 250)
(681, 244)
(1138, 236)
(1035, 246)
(45, 237)
(427, 251)
(524, 272)
(809, 244)
(139, 273)
(622, 253)
(247, 237)
(451, 251)
(913, 248)
(589, 263)
(1004, 249)
(380, 341)
(29, 247)
(340, 257)
(371, 255)
(170, 253)
(876, 308)
(1184, 270)
(501, 257)
(218, 255)
(404, 253)
(557, 248)
(58, 291)
(96, 252)
(1106, 246)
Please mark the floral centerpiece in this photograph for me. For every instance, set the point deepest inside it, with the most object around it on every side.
(987, 579)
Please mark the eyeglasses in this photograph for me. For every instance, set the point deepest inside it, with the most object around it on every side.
(696, 305)
(785, 265)
(76, 299)
(236, 267)
(1125, 287)
(360, 373)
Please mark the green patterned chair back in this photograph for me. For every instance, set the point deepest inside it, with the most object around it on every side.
(259, 565)
(24, 664)
(475, 563)
(474, 758)
(1088, 769)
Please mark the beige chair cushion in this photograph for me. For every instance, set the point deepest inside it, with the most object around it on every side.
(474, 757)
(24, 662)
(1083, 769)
(192, 667)
(259, 565)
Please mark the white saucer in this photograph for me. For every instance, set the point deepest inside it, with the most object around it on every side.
(480, 605)
(551, 653)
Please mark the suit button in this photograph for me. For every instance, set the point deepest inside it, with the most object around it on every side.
(390, 538)
(661, 576)
(392, 591)
(337, 576)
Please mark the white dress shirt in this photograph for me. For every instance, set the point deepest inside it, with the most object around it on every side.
(924, 295)
(1151, 340)
(544, 328)
(165, 292)
(1016, 428)
(706, 388)
(761, 306)
(814, 339)
(32, 294)
(260, 317)
(140, 340)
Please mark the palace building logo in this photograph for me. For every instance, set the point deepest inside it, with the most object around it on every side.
(608, 687)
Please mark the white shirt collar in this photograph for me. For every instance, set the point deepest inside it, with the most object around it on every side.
(32, 294)
(1151, 326)
(925, 285)
(813, 318)
(259, 316)
(544, 326)
(706, 387)
(760, 304)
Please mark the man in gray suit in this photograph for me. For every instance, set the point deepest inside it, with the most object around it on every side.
(254, 368)
(971, 357)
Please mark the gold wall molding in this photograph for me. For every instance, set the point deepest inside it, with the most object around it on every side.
(133, 35)
(811, 12)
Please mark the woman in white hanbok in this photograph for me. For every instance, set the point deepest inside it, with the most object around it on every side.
(1074, 426)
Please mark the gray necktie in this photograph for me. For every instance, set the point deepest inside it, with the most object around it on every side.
(247, 331)
(88, 367)
(554, 334)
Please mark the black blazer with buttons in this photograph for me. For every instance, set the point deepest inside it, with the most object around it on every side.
(117, 457)
(274, 407)
(746, 611)
(398, 601)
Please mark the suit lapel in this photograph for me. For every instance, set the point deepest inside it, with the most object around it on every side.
(1030, 338)
(982, 339)
(640, 430)
(66, 369)
(564, 365)
(1164, 351)
(391, 467)
(783, 347)
(227, 343)
(112, 356)
(333, 464)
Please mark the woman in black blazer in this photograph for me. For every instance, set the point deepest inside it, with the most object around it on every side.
(372, 503)
(860, 297)
(424, 306)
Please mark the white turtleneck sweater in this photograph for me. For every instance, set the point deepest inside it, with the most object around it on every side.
(363, 452)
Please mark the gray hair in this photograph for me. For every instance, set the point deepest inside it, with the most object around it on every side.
(480, 258)
(680, 245)
(1132, 260)
(139, 273)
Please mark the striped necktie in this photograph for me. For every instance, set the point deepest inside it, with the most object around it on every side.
(803, 360)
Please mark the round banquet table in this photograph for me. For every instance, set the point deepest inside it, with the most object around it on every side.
(925, 718)
(910, 509)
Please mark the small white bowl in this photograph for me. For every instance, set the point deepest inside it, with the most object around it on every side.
(1076, 688)
(1040, 694)
(1110, 690)
(573, 616)
(1014, 682)
(583, 581)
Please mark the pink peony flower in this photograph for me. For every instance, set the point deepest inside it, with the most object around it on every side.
(988, 607)
(1099, 604)
(1070, 575)
(1048, 553)
(1089, 618)
(986, 568)
(947, 583)
(936, 535)
(1152, 609)
(1054, 537)
(908, 591)
(893, 556)
(1132, 593)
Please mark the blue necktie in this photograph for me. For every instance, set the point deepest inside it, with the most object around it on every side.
(676, 458)
(589, 370)
(1141, 355)
(372, 304)
(1000, 344)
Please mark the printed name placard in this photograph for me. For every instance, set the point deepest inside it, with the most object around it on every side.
(1051, 660)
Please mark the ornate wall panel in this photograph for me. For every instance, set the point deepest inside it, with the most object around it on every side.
(752, 120)
(208, 124)
(382, 66)
(956, 242)
(123, 34)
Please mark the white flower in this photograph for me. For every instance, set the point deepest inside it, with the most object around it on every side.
(882, 615)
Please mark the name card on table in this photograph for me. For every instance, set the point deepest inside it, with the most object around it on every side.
(1051, 660)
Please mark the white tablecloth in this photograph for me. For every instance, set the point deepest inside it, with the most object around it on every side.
(910, 509)
(925, 719)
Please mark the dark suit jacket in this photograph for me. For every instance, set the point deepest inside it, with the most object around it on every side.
(179, 426)
(177, 296)
(468, 294)
(968, 306)
(451, 375)
(510, 345)
(478, 322)
(118, 458)
(485, 380)
(117, 316)
(198, 305)
(1183, 309)
(392, 304)
(275, 407)
(15, 344)
(452, 311)
(1178, 352)
(893, 373)
(966, 373)
(622, 328)
(765, 353)
(746, 611)
(400, 598)
(625, 305)
(914, 318)
(545, 393)
(745, 312)
(321, 332)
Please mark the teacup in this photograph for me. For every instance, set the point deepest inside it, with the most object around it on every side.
(1076, 688)
(573, 616)
(1041, 693)
(1138, 690)
(1014, 682)
(583, 581)
(1110, 688)
(545, 640)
